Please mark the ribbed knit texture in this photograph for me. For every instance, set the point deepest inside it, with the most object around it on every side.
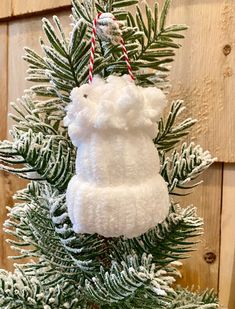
(117, 189)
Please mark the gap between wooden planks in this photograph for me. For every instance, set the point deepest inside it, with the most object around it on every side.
(227, 250)
(3, 133)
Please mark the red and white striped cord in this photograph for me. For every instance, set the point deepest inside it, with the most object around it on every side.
(127, 59)
(93, 45)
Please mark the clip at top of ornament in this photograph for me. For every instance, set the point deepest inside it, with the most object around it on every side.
(107, 28)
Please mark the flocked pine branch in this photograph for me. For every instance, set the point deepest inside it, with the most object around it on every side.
(163, 233)
(40, 116)
(39, 143)
(122, 282)
(18, 291)
(46, 157)
(43, 229)
(186, 299)
(57, 69)
(170, 241)
(183, 167)
(65, 64)
(37, 123)
(88, 271)
(170, 133)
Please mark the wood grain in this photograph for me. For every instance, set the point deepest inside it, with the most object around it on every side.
(7, 181)
(227, 266)
(203, 76)
(3, 132)
(207, 199)
(31, 6)
(25, 32)
(14, 8)
(5, 8)
(3, 78)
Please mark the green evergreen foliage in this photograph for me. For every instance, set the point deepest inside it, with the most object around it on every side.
(170, 133)
(169, 241)
(185, 166)
(19, 291)
(89, 271)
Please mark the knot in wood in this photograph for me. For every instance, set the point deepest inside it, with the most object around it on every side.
(227, 49)
(210, 257)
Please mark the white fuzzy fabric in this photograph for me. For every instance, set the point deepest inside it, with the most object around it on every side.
(117, 189)
(113, 104)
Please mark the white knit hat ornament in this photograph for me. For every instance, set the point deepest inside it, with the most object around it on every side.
(117, 189)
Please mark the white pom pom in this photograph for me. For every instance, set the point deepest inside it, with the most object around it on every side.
(115, 104)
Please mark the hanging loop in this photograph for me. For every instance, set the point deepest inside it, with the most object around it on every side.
(93, 46)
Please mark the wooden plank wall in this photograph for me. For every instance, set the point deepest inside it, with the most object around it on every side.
(3, 131)
(13, 8)
(203, 76)
(203, 266)
(227, 257)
